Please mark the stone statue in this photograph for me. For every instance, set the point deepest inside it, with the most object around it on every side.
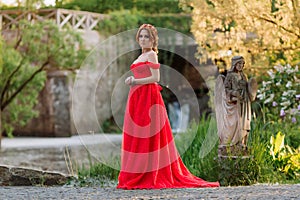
(233, 96)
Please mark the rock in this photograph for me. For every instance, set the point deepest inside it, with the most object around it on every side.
(21, 176)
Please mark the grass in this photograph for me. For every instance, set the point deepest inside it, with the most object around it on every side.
(96, 174)
(201, 155)
(198, 147)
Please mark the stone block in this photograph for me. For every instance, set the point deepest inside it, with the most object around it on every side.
(21, 176)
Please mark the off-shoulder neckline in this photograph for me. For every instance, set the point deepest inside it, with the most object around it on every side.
(144, 62)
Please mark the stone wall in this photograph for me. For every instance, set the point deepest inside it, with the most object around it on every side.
(54, 118)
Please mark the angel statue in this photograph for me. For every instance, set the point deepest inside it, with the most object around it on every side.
(233, 96)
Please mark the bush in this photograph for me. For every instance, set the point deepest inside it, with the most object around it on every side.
(238, 171)
(280, 94)
(119, 21)
(123, 20)
(106, 6)
(285, 159)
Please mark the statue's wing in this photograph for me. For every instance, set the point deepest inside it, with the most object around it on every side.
(219, 108)
(252, 88)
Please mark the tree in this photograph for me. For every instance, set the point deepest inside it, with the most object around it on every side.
(263, 31)
(1, 66)
(38, 47)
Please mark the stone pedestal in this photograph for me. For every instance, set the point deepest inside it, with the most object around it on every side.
(234, 150)
(237, 166)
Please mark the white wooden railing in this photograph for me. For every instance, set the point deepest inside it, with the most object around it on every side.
(77, 19)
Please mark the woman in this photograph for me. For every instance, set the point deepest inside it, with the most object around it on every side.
(149, 157)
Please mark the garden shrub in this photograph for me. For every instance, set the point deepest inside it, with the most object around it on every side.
(280, 94)
(285, 159)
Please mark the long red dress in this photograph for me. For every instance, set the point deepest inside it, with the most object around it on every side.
(149, 158)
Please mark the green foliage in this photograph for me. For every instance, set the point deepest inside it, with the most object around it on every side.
(206, 166)
(266, 151)
(110, 126)
(37, 47)
(280, 94)
(24, 5)
(177, 22)
(285, 159)
(44, 42)
(19, 111)
(229, 171)
(258, 148)
(96, 174)
(238, 171)
(1, 54)
(158, 6)
(123, 20)
(258, 167)
(128, 14)
(106, 6)
(267, 128)
(119, 21)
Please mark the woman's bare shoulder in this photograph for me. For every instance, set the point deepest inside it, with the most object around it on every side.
(152, 57)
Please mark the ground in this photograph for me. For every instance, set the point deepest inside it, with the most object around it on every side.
(259, 191)
(48, 154)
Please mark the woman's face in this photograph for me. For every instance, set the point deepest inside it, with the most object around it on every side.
(239, 66)
(145, 40)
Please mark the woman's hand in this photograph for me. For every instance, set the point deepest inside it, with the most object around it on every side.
(130, 80)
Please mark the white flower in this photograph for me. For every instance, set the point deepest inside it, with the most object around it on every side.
(289, 84)
(261, 96)
(296, 79)
(279, 68)
(258, 91)
(293, 111)
(278, 83)
(289, 71)
(261, 90)
(289, 93)
(266, 83)
(283, 98)
(271, 74)
(269, 99)
(288, 66)
(286, 103)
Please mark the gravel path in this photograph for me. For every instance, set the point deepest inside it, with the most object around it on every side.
(259, 191)
(34, 152)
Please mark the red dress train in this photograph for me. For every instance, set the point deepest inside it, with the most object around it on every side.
(149, 158)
